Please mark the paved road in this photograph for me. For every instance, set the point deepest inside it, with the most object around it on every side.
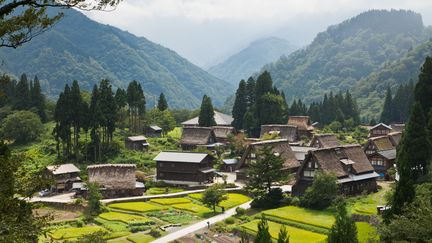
(61, 198)
(200, 225)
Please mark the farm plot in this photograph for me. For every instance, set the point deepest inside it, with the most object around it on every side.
(192, 207)
(74, 232)
(296, 235)
(170, 201)
(137, 206)
(234, 199)
(124, 217)
(174, 216)
(140, 238)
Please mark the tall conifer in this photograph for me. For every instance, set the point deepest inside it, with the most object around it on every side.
(206, 115)
(240, 105)
(162, 102)
(423, 89)
(387, 113)
(22, 92)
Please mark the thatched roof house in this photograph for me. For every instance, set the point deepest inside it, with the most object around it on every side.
(220, 118)
(64, 176)
(303, 124)
(349, 163)
(379, 129)
(195, 136)
(324, 141)
(376, 144)
(395, 138)
(397, 127)
(283, 131)
(222, 133)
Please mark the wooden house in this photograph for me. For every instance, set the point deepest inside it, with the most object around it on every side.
(348, 163)
(397, 127)
(184, 168)
(395, 138)
(153, 131)
(378, 130)
(229, 165)
(192, 137)
(136, 143)
(282, 131)
(381, 152)
(303, 124)
(115, 180)
(324, 141)
(64, 176)
(221, 119)
(300, 152)
(222, 133)
(280, 147)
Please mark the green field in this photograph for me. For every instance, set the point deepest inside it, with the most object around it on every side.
(162, 190)
(234, 199)
(170, 201)
(137, 206)
(118, 241)
(296, 235)
(124, 217)
(365, 232)
(174, 216)
(192, 207)
(140, 238)
(73, 232)
(367, 204)
(316, 218)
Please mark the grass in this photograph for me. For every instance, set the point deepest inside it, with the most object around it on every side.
(234, 199)
(118, 241)
(73, 232)
(316, 218)
(162, 190)
(174, 216)
(170, 201)
(296, 235)
(194, 208)
(124, 217)
(367, 204)
(365, 232)
(140, 238)
(113, 226)
(137, 206)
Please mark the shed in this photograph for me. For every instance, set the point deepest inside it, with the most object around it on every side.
(303, 124)
(222, 133)
(153, 131)
(136, 143)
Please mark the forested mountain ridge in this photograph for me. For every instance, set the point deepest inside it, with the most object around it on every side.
(250, 59)
(348, 52)
(78, 48)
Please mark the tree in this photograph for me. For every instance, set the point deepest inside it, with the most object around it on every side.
(271, 108)
(22, 126)
(22, 20)
(164, 119)
(22, 94)
(322, 192)
(387, 113)
(94, 206)
(265, 171)
(250, 92)
(206, 115)
(344, 229)
(423, 89)
(263, 234)
(214, 195)
(162, 102)
(38, 99)
(240, 106)
(121, 98)
(136, 102)
(283, 236)
(108, 107)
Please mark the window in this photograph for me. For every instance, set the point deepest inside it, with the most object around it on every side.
(378, 162)
(316, 165)
(253, 156)
(309, 173)
(369, 151)
(309, 165)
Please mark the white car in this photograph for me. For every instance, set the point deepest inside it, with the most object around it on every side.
(44, 193)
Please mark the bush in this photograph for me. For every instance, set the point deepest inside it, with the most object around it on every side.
(230, 220)
(295, 201)
(22, 126)
(240, 211)
(273, 199)
(139, 228)
(79, 223)
(322, 193)
(155, 232)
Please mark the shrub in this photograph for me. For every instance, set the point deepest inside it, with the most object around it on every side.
(155, 232)
(272, 199)
(240, 211)
(22, 126)
(322, 192)
(139, 228)
(295, 201)
(79, 223)
(230, 220)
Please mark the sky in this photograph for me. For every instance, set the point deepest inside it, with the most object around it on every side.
(208, 31)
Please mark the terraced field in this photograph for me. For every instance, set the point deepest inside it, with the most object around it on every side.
(234, 199)
(74, 232)
(170, 201)
(124, 217)
(137, 206)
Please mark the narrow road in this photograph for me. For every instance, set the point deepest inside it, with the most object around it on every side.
(200, 225)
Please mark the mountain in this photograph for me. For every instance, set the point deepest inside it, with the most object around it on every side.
(250, 59)
(371, 89)
(78, 48)
(348, 52)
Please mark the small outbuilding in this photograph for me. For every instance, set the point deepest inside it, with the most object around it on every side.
(64, 177)
(222, 133)
(153, 131)
(229, 165)
(138, 143)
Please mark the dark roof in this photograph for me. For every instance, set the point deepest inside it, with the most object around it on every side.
(196, 135)
(280, 146)
(222, 131)
(395, 137)
(62, 169)
(302, 122)
(184, 157)
(136, 138)
(220, 118)
(388, 154)
(284, 131)
(382, 143)
(325, 140)
(331, 160)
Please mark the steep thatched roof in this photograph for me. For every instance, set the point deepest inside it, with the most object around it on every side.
(397, 127)
(325, 140)
(284, 131)
(301, 122)
(279, 146)
(395, 137)
(332, 160)
(382, 143)
(388, 154)
(197, 135)
(220, 118)
(222, 131)
(184, 157)
(62, 169)
(113, 176)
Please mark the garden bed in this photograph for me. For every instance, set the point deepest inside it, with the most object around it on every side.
(124, 217)
(170, 201)
(137, 206)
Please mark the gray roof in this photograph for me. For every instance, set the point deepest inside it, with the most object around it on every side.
(186, 157)
(220, 118)
(388, 154)
(230, 161)
(137, 138)
(301, 152)
(156, 128)
(63, 169)
(381, 124)
(361, 177)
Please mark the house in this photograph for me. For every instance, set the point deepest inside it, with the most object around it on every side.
(382, 161)
(304, 127)
(222, 133)
(115, 180)
(220, 119)
(184, 168)
(280, 147)
(136, 143)
(380, 129)
(395, 138)
(283, 131)
(192, 137)
(229, 165)
(397, 127)
(381, 152)
(324, 141)
(348, 163)
(153, 131)
(63, 176)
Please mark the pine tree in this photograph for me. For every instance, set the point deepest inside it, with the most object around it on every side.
(206, 115)
(344, 229)
(136, 102)
(249, 122)
(240, 106)
(121, 98)
(95, 122)
(263, 234)
(423, 89)
(272, 109)
(38, 99)
(387, 113)
(250, 92)
(76, 113)
(264, 84)
(283, 236)
(162, 102)
(22, 94)
(108, 107)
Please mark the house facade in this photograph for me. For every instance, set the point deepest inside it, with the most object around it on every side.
(348, 163)
(184, 168)
(378, 130)
(138, 143)
(63, 176)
